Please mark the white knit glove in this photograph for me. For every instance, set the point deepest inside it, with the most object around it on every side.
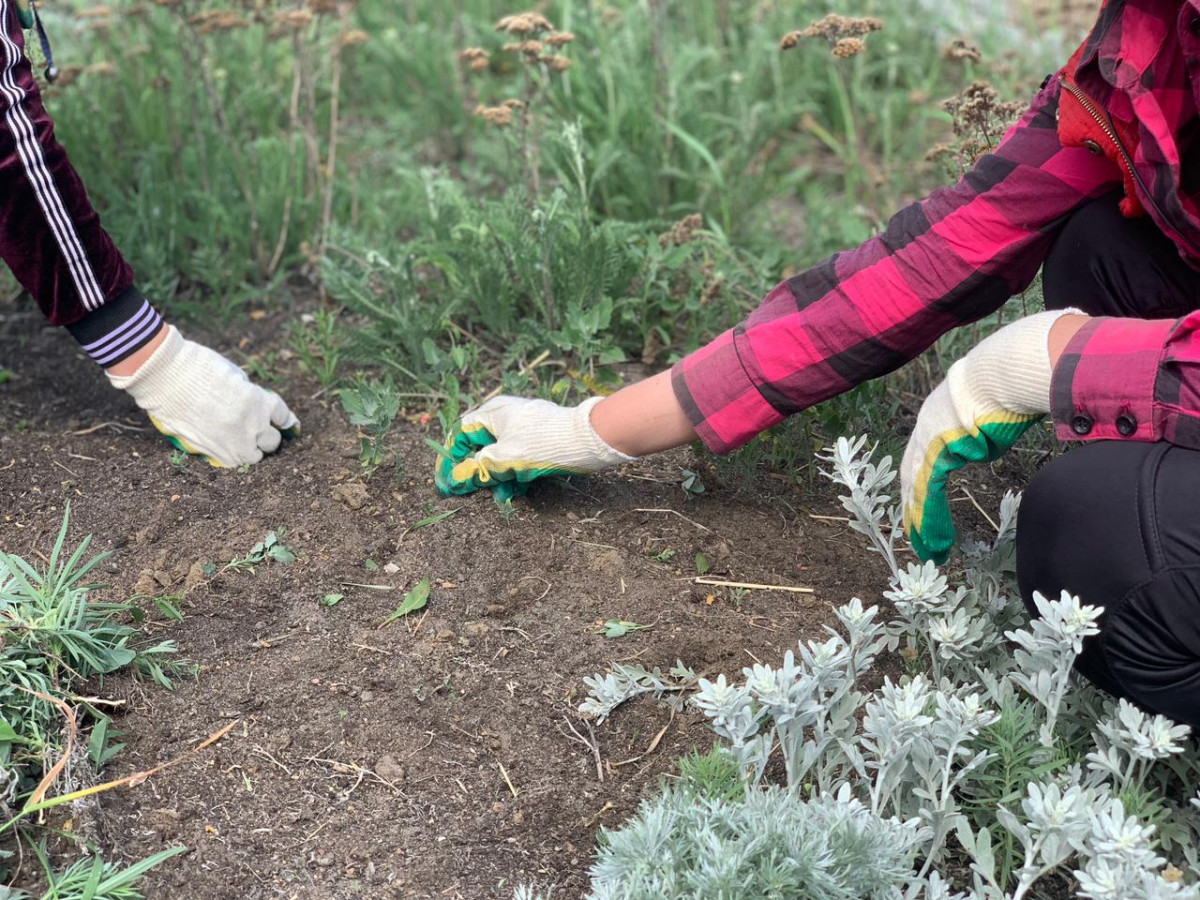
(989, 399)
(206, 405)
(510, 441)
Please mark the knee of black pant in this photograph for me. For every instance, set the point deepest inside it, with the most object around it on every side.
(1078, 527)
(1079, 531)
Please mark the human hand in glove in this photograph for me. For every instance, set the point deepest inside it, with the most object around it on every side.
(509, 441)
(206, 405)
(989, 399)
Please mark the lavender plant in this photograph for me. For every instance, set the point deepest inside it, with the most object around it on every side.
(993, 772)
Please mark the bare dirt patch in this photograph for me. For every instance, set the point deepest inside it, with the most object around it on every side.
(427, 758)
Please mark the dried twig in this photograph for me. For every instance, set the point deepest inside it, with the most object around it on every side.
(590, 742)
(750, 586)
(507, 780)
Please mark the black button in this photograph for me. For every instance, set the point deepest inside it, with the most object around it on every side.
(1092, 147)
(1126, 425)
(1082, 424)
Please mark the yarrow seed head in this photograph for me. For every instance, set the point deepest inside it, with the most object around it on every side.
(848, 47)
(499, 116)
(475, 58)
(844, 34)
(524, 23)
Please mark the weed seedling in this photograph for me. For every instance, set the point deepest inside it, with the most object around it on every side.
(372, 406)
(617, 628)
(269, 549)
(691, 484)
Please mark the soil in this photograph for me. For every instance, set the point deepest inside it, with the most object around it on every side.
(431, 757)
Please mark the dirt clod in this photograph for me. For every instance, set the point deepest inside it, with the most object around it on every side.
(352, 495)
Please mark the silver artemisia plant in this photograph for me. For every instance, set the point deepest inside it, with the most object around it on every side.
(990, 771)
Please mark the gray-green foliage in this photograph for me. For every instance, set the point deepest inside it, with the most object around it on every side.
(1009, 773)
(53, 638)
(770, 843)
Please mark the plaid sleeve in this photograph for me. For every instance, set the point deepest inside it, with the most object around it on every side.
(1132, 380)
(940, 263)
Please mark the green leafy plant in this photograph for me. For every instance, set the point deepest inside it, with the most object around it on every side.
(618, 628)
(270, 549)
(372, 406)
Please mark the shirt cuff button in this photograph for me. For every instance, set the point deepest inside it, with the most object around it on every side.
(1126, 425)
(1082, 424)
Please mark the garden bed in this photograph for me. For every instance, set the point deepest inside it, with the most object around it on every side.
(366, 759)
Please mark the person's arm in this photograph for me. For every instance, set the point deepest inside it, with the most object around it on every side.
(51, 238)
(940, 263)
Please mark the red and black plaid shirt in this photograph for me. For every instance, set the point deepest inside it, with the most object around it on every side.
(958, 255)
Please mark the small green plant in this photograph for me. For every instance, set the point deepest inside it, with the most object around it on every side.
(93, 878)
(53, 637)
(413, 601)
(618, 628)
(330, 600)
(690, 482)
(317, 342)
(663, 556)
(372, 406)
(270, 549)
(179, 458)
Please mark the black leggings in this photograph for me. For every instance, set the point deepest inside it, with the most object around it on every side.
(1118, 523)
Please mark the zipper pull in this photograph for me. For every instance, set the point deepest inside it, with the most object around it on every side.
(24, 13)
(51, 70)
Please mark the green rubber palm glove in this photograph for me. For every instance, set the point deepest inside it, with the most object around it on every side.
(990, 397)
(509, 442)
(25, 13)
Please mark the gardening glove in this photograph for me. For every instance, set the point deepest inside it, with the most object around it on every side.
(989, 399)
(25, 13)
(206, 405)
(510, 441)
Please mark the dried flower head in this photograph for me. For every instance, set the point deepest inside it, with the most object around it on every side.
(94, 12)
(960, 49)
(100, 68)
(682, 232)
(216, 20)
(848, 46)
(475, 58)
(525, 23)
(499, 116)
(559, 38)
(323, 7)
(353, 38)
(290, 20)
(514, 103)
(557, 63)
(844, 33)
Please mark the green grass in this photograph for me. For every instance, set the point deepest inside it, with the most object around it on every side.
(455, 253)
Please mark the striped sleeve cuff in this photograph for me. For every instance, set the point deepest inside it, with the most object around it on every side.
(118, 329)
